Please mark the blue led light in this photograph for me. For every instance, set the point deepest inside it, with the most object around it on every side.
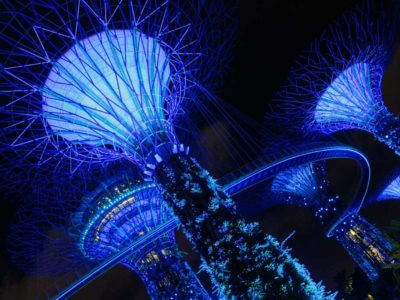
(392, 191)
(350, 102)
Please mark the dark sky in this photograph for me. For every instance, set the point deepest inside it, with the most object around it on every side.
(271, 34)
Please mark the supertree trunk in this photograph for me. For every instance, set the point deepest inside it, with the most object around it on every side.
(167, 276)
(366, 244)
(243, 262)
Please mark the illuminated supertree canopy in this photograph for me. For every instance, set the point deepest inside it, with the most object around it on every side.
(111, 75)
(308, 182)
(89, 230)
(308, 186)
(391, 191)
(110, 88)
(336, 84)
(388, 189)
(96, 82)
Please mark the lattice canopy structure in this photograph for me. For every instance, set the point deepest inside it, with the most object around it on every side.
(349, 101)
(110, 89)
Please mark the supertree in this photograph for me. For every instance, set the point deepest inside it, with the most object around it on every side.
(391, 191)
(96, 81)
(310, 183)
(86, 230)
(308, 186)
(388, 189)
(336, 84)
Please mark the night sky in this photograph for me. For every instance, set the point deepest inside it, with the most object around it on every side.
(271, 34)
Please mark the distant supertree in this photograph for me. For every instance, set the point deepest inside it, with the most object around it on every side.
(309, 182)
(336, 84)
(97, 81)
(388, 189)
(307, 186)
(391, 191)
(77, 231)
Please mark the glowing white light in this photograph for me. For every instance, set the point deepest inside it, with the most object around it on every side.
(349, 99)
(109, 88)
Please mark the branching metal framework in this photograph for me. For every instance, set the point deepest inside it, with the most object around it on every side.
(336, 84)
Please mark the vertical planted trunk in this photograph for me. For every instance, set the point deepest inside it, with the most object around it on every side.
(166, 275)
(243, 262)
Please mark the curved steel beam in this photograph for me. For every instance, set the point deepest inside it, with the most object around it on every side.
(264, 170)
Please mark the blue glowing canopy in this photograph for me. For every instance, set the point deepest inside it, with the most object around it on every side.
(109, 89)
(392, 191)
(300, 180)
(348, 102)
